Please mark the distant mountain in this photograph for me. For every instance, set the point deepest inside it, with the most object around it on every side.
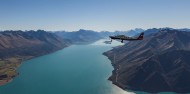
(80, 37)
(105, 34)
(132, 32)
(87, 36)
(184, 29)
(151, 31)
(158, 63)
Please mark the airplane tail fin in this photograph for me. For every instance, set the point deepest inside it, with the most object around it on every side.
(141, 36)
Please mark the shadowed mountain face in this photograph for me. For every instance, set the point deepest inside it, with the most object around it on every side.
(158, 63)
(30, 43)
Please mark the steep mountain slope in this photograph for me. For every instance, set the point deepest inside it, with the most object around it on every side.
(29, 43)
(158, 63)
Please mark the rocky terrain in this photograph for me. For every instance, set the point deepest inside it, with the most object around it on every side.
(159, 63)
(16, 46)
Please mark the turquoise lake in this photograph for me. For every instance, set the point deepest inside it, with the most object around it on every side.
(78, 69)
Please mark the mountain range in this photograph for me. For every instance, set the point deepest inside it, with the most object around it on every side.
(158, 63)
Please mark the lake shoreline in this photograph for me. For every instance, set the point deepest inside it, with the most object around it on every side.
(17, 64)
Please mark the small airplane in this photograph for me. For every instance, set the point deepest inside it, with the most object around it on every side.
(123, 37)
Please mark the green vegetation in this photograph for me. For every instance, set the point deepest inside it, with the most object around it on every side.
(8, 68)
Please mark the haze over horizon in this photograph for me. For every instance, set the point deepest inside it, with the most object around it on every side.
(98, 15)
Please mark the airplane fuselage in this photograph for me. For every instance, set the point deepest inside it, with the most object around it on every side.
(123, 37)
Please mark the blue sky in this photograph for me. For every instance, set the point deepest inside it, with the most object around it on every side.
(111, 15)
